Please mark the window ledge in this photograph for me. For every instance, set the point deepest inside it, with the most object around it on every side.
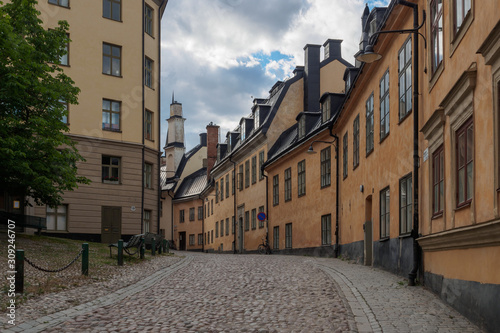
(459, 35)
(355, 167)
(405, 235)
(120, 76)
(111, 130)
(385, 137)
(463, 205)
(369, 152)
(55, 4)
(405, 116)
(109, 18)
(436, 75)
(437, 216)
(326, 186)
(385, 239)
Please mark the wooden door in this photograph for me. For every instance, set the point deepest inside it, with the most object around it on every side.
(111, 224)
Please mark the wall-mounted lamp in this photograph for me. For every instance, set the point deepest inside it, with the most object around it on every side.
(311, 149)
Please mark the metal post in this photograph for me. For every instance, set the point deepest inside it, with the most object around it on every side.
(168, 246)
(142, 248)
(120, 252)
(153, 247)
(160, 248)
(85, 259)
(164, 245)
(19, 284)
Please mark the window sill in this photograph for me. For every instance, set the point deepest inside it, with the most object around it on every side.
(405, 116)
(459, 35)
(437, 215)
(355, 167)
(384, 239)
(384, 138)
(111, 130)
(150, 140)
(150, 87)
(288, 200)
(463, 205)
(55, 4)
(368, 153)
(112, 75)
(436, 75)
(301, 195)
(405, 235)
(326, 186)
(150, 35)
(111, 19)
(110, 182)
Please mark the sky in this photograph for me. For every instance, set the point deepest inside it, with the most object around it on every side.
(218, 55)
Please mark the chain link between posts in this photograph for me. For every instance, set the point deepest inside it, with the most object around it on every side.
(54, 270)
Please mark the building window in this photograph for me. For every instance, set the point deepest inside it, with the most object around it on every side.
(438, 181)
(148, 20)
(111, 59)
(254, 169)
(302, 127)
(288, 236)
(301, 177)
(212, 204)
(216, 192)
(208, 209)
(385, 217)
(217, 229)
(111, 115)
(261, 162)
(276, 190)
(227, 186)
(200, 212)
(276, 238)
(288, 184)
(247, 220)
(254, 219)
(325, 110)
(57, 218)
(247, 173)
(436, 34)
(369, 125)
(191, 214)
(191, 239)
(222, 189)
(326, 229)
(405, 205)
(200, 239)
(148, 125)
(465, 162)
(148, 175)
(326, 167)
(227, 226)
(355, 142)
(64, 59)
(111, 169)
(462, 9)
(344, 157)
(222, 228)
(405, 91)
(147, 220)
(148, 72)
(240, 178)
(112, 9)
(212, 236)
(256, 119)
(242, 131)
(233, 225)
(62, 3)
(65, 111)
(261, 223)
(181, 216)
(233, 179)
(384, 105)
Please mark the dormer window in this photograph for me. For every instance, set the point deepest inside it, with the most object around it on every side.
(302, 127)
(229, 143)
(348, 83)
(325, 110)
(256, 120)
(242, 131)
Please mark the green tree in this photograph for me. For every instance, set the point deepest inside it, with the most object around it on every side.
(38, 159)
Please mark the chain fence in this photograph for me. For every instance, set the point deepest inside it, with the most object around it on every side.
(54, 270)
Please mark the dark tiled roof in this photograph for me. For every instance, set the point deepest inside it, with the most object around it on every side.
(192, 184)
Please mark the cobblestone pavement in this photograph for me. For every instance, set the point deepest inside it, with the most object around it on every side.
(258, 293)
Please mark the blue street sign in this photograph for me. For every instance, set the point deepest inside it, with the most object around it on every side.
(261, 216)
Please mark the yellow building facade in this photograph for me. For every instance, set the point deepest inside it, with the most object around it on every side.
(115, 61)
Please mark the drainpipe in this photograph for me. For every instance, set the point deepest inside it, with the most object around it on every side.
(172, 214)
(143, 129)
(234, 204)
(337, 245)
(202, 224)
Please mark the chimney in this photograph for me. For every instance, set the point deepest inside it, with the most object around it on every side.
(212, 140)
(333, 50)
(203, 139)
(311, 77)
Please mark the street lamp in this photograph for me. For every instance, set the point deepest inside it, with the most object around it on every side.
(311, 149)
(370, 56)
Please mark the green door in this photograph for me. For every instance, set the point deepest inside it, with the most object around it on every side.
(111, 224)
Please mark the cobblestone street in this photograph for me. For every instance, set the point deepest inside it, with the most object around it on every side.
(258, 293)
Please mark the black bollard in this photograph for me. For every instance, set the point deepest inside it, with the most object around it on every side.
(120, 252)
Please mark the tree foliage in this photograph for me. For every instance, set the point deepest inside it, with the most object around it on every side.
(38, 159)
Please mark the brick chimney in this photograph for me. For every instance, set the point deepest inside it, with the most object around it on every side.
(212, 140)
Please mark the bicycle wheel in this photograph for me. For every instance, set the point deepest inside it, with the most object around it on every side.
(261, 249)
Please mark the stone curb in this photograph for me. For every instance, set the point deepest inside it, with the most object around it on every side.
(57, 318)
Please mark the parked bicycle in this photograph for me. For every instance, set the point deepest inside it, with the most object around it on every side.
(264, 247)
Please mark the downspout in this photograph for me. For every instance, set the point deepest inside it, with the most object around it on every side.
(143, 129)
(172, 214)
(202, 225)
(337, 245)
(234, 204)
(159, 120)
